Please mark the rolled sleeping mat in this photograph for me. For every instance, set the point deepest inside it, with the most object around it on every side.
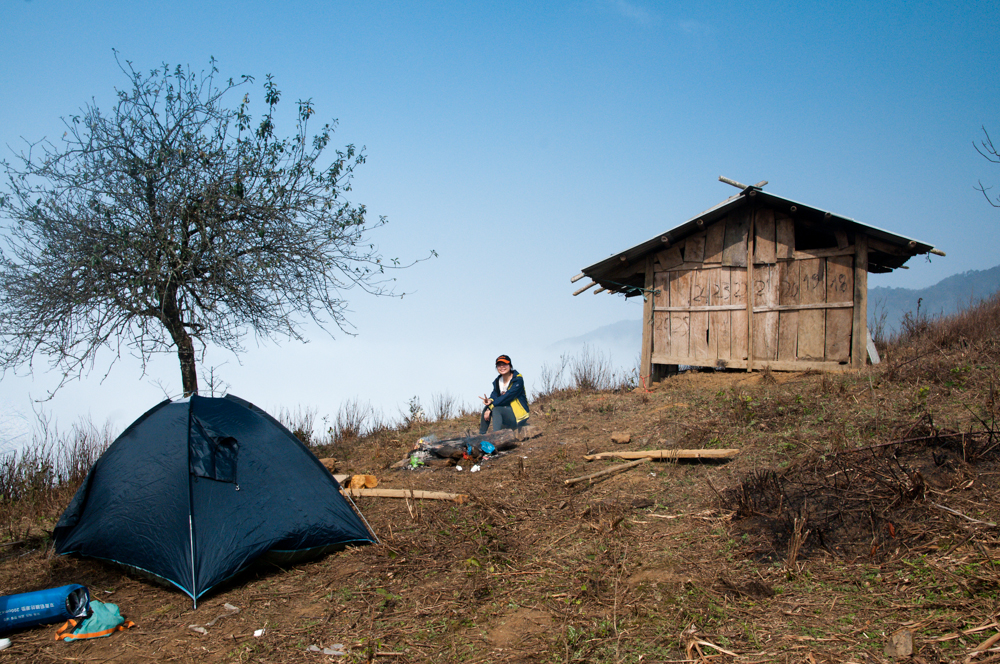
(43, 607)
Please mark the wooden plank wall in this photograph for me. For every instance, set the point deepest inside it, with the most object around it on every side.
(699, 311)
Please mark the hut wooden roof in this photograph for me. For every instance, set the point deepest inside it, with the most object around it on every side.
(624, 272)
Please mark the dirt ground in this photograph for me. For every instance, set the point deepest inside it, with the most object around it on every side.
(861, 506)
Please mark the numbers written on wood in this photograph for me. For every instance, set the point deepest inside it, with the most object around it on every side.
(676, 323)
(789, 289)
(838, 284)
(718, 293)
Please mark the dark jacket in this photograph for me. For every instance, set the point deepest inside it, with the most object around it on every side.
(515, 397)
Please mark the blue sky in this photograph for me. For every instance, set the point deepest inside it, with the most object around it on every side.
(524, 141)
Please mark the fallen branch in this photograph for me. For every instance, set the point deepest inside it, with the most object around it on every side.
(918, 439)
(606, 471)
(407, 493)
(968, 518)
(665, 455)
(982, 647)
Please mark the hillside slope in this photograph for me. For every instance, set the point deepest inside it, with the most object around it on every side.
(861, 504)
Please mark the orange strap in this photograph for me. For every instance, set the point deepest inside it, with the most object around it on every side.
(63, 632)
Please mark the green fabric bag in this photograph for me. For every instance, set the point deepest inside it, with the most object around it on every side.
(104, 620)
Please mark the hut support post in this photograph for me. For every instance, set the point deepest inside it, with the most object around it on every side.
(646, 356)
(859, 332)
(750, 290)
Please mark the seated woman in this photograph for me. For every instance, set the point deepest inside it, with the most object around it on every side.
(507, 406)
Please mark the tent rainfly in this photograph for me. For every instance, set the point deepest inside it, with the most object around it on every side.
(756, 281)
(197, 489)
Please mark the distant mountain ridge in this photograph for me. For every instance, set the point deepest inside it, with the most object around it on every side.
(943, 298)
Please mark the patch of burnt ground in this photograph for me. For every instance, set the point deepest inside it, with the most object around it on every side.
(869, 503)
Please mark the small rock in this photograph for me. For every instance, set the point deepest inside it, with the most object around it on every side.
(621, 437)
(900, 644)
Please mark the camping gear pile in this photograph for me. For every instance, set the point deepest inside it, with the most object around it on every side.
(85, 618)
(431, 452)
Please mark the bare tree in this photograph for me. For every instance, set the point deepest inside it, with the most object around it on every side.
(175, 220)
(987, 149)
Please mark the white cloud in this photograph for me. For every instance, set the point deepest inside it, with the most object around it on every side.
(634, 12)
(696, 28)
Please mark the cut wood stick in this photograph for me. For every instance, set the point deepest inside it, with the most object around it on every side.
(408, 493)
(968, 518)
(606, 471)
(987, 644)
(587, 287)
(665, 455)
(577, 278)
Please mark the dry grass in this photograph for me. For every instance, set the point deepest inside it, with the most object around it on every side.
(861, 504)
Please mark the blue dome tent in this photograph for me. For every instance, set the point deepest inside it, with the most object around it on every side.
(196, 490)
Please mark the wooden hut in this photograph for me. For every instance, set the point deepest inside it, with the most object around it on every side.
(756, 281)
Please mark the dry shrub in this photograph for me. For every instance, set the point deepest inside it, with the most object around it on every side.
(443, 406)
(953, 351)
(353, 421)
(976, 325)
(551, 380)
(36, 480)
(591, 371)
(301, 422)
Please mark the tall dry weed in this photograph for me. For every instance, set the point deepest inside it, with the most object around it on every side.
(35, 480)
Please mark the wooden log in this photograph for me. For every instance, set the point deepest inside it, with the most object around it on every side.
(587, 287)
(577, 278)
(738, 185)
(605, 472)
(666, 455)
(412, 494)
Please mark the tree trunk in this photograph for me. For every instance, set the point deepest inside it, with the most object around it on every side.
(189, 371)
(171, 319)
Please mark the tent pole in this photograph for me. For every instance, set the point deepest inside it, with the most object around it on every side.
(347, 495)
(194, 589)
